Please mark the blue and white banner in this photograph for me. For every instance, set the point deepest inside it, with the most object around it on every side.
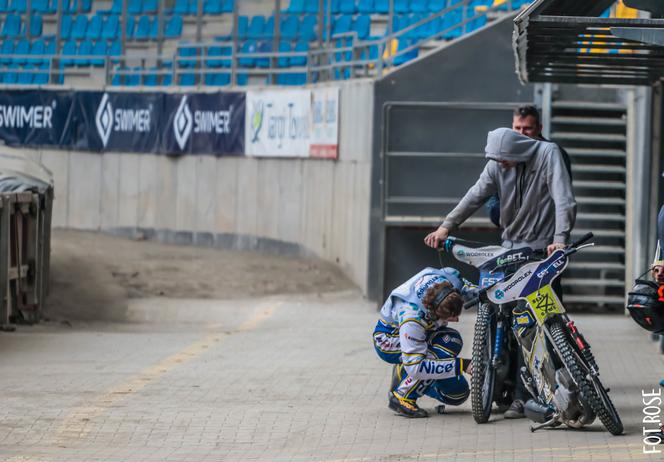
(204, 123)
(121, 122)
(165, 123)
(35, 118)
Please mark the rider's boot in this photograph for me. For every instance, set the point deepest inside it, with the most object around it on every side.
(406, 407)
(516, 410)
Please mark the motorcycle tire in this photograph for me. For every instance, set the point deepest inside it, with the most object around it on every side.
(483, 378)
(592, 390)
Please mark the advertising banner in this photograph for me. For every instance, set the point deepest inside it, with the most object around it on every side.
(124, 122)
(35, 118)
(278, 123)
(325, 123)
(203, 123)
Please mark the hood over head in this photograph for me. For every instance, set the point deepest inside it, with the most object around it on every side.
(506, 144)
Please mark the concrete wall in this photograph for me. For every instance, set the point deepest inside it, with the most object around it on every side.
(288, 206)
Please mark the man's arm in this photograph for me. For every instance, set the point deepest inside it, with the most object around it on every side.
(477, 195)
(560, 187)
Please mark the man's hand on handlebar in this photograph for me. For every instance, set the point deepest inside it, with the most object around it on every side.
(553, 247)
(437, 237)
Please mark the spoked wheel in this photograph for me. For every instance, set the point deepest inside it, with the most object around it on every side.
(591, 388)
(483, 378)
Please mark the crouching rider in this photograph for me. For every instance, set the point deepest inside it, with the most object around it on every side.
(412, 334)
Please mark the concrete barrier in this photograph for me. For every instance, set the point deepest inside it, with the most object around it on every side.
(288, 206)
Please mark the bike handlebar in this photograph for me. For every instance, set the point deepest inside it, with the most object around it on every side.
(585, 238)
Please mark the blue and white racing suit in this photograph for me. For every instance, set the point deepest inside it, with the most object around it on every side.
(428, 350)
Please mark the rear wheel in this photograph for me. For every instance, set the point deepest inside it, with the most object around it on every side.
(483, 378)
(591, 388)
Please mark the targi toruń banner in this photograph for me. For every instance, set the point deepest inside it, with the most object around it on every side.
(292, 123)
(199, 123)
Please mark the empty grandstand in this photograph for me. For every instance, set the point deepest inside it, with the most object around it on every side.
(222, 42)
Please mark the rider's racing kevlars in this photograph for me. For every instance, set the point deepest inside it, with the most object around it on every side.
(405, 311)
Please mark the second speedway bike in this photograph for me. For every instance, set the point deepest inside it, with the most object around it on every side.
(560, 371)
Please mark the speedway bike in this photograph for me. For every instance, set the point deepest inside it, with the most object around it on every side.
(560, 370)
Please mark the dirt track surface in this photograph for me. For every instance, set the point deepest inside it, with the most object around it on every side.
(93, 275)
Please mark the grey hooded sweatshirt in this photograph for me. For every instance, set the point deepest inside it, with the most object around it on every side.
(537, 205)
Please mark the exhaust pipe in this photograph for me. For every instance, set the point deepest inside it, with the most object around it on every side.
(537, 412)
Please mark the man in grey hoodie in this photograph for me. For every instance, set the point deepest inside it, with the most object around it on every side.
(537, 205)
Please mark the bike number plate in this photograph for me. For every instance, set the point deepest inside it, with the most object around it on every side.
(544, 302)
(487, 279)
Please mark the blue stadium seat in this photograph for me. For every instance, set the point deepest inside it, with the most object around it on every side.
(228, 6)
(300, 61)
(111, 27)
(216, 51)
(150, 79)
(408, 56)
(366, 7)
(12, 26)
(362, 26)
(18, 6)
(79, 27)
(115, 49)
(99, 49)
(94, 27)
(256, 27)
(222, 79)
(401, 6)
(347, 7)
(85, 6)
(382, 6)
(166, 79)
(42, 76)
(69, 49)
(154, 29)
(135, 7)
(143, 28)
(181, 7)
(4, 7)
(268, 30)
(65, 27)
(336, 7)
(173, 27)
(187, 80)
(264, 61)
(25, 76)
(296, 7)
(289, 27)
(249, 46)
(118, 79)
(36, 24)
(476, 23)
(284, 47)
(308, 28)
(342, 25)
(150, 6)
(22, 49)
(242, 27)
(10, 75)
(38, 48)
(413, 33)
(116, 8)
(212, 7)
(449, 21)
(187, 52)
(6, 50)
(419, 6)
(84, 50)
(40, 6)
(130, 27)
(134, 78)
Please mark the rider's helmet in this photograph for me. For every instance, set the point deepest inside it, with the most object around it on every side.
(646, 305)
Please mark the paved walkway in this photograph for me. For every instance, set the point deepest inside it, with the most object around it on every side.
(278, 379)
